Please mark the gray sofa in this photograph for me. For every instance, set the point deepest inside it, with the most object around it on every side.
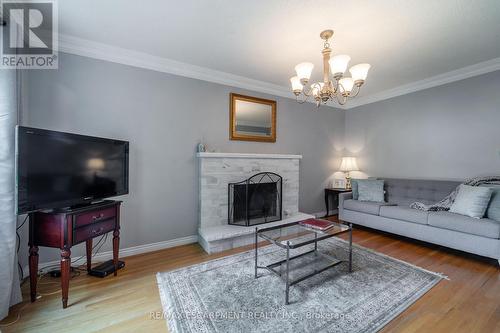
(459, 232)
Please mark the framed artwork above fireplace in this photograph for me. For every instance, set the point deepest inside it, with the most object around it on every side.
(252, 118)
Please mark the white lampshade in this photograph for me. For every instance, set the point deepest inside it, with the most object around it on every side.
(304, 70)
(348, 164)
(359, 72)
(316, 88)
(338, 64)
(346, 84)
(296, 85)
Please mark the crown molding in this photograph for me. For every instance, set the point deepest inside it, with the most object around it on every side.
(95, 50)
(91, 49)
(434, 81)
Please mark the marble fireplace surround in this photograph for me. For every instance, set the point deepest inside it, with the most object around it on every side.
(216, 171)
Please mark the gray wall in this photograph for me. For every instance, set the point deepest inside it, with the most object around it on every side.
(164, 117)
(447, 132)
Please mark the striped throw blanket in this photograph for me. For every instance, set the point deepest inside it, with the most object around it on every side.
(446, 203)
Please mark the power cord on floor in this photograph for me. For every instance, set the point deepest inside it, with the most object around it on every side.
(41, 274)
(17, 317)
(40, 295)
(20, 268)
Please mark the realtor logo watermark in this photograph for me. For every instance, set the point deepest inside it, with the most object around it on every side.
(29, 34)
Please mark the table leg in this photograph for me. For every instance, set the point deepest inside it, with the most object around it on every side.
(350, 247)
(65, 273)
(287, 291)
(33, 260)
(116, 247)
(256, 249)
(88, 246)
(327, 204)
(315, 242)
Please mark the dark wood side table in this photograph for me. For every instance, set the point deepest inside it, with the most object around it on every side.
(335, 193)
(65, 228)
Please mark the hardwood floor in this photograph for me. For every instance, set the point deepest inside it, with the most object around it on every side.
(468, 302)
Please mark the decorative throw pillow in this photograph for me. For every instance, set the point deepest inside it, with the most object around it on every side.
(370, 190)
(354, 188)
(471, 201)
(493, 210)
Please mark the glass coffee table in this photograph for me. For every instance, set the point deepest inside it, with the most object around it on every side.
(293, 236)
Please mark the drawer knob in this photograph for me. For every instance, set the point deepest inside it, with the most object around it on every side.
(97, 217)
(96, 231)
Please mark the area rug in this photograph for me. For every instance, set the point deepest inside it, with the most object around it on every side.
(223, 296)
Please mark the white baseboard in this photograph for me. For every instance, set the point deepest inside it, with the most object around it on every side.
(126, 252)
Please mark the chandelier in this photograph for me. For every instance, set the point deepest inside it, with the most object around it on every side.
(340, 88)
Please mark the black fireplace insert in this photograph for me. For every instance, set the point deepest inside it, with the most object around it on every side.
(255, 200)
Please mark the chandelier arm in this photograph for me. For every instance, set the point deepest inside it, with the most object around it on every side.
(335, 86)
(338, 92)
(309, 92)
(341, 98)
(302, 101)
(357, 89)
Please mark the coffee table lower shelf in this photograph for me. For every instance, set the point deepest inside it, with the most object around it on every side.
(285, 276)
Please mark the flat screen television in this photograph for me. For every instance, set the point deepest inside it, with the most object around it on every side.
(57, 169)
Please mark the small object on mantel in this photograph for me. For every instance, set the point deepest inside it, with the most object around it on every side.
(201, 148)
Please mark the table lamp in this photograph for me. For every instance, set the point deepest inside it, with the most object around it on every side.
(348, 164)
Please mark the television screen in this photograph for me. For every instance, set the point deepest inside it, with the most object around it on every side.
(56, 169)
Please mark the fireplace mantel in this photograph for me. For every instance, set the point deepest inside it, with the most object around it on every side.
(248, 155)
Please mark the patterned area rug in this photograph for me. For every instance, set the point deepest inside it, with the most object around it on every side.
(223, 296)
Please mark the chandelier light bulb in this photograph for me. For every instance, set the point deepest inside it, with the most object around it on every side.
(345, 85)
(359, 72)
(296, 85)
(338, 64)
(304, 70)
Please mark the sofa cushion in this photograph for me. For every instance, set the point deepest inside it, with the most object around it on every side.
(404, 213)
(451, 221)
(471, 201)
(366, 207)
(371, 190)
(406, 191)
(354, 188)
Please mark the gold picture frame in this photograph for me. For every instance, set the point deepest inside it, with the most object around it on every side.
(252, 118)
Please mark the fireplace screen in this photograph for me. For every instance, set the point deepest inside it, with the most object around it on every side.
(256, 200)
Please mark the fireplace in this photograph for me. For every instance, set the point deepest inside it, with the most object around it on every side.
(255, 200)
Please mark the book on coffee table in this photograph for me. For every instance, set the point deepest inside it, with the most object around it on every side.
(316, 224)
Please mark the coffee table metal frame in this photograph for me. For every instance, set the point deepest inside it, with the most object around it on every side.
(318, 236)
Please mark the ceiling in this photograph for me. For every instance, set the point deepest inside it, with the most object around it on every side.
(404, 41)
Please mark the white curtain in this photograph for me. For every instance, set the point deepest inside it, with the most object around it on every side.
(9, 280)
